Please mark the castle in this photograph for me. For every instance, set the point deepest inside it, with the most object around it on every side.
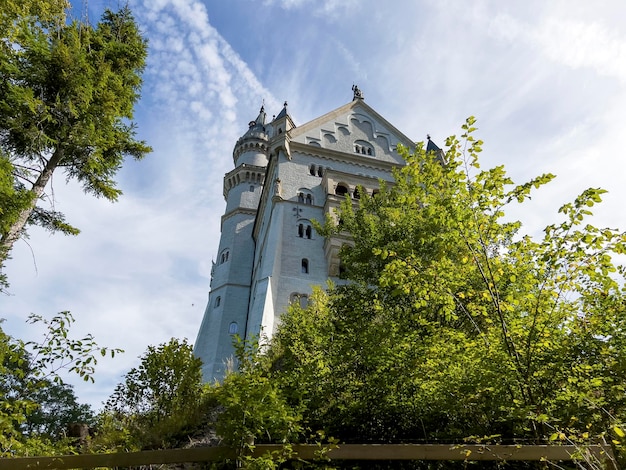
(285, 177)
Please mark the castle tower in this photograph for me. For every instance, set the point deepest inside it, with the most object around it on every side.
(286, 177)
(226, 313)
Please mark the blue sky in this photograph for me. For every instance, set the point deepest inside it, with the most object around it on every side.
(546, 80)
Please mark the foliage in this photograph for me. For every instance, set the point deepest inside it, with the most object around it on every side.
(68, 92)
(57, 408)
(454, 325)
(35, 405)
(159, 399)
(58, 350)
(253, 409)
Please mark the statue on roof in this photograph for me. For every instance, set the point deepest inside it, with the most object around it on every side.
(358, 94)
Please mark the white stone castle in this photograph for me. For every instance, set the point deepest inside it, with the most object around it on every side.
(285, 177)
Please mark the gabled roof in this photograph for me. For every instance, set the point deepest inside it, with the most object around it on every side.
(354, 106)
(354, 127)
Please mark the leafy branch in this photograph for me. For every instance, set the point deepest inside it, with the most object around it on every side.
(58, 351)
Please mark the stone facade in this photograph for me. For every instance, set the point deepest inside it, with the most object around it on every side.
(284, 178)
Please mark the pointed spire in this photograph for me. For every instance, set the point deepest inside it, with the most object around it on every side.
(431, 146)
(284, 112)
(260, 120)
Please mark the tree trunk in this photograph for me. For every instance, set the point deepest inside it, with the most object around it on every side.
(14, 233)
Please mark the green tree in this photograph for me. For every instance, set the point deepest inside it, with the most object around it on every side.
(160, 398)
(253, 409)
(454, 325)
(35, 405)
(57, 408)
(67, 98)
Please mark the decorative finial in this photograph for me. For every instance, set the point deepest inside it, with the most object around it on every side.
(285, 105)
(358, 94)
(428, 136)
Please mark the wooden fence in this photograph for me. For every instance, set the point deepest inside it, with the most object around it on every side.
(473, 452)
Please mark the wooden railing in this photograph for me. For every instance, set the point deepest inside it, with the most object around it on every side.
(469, 452)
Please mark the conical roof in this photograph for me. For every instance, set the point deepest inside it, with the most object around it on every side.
(256, 128)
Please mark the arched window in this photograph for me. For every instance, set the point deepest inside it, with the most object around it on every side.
(356, 194)
(251, 188)
(312, 170)
(301, 299)
(309, 199)
(341, 190)
(301, 197)
(305, 229)
(305, 266)
(218, 301)
(224, 256)
(233, 328)
(363, 147)
(320, 171)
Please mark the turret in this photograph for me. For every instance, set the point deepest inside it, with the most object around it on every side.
(226, 313)
(281, 125)
(252, 148)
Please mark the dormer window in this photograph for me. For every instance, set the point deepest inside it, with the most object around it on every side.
(363, 147)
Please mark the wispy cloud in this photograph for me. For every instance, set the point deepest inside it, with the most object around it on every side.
(569, 42)
(329, 8)
(139, 272)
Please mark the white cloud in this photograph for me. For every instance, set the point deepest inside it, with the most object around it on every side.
(334, 9)
(573, 43)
